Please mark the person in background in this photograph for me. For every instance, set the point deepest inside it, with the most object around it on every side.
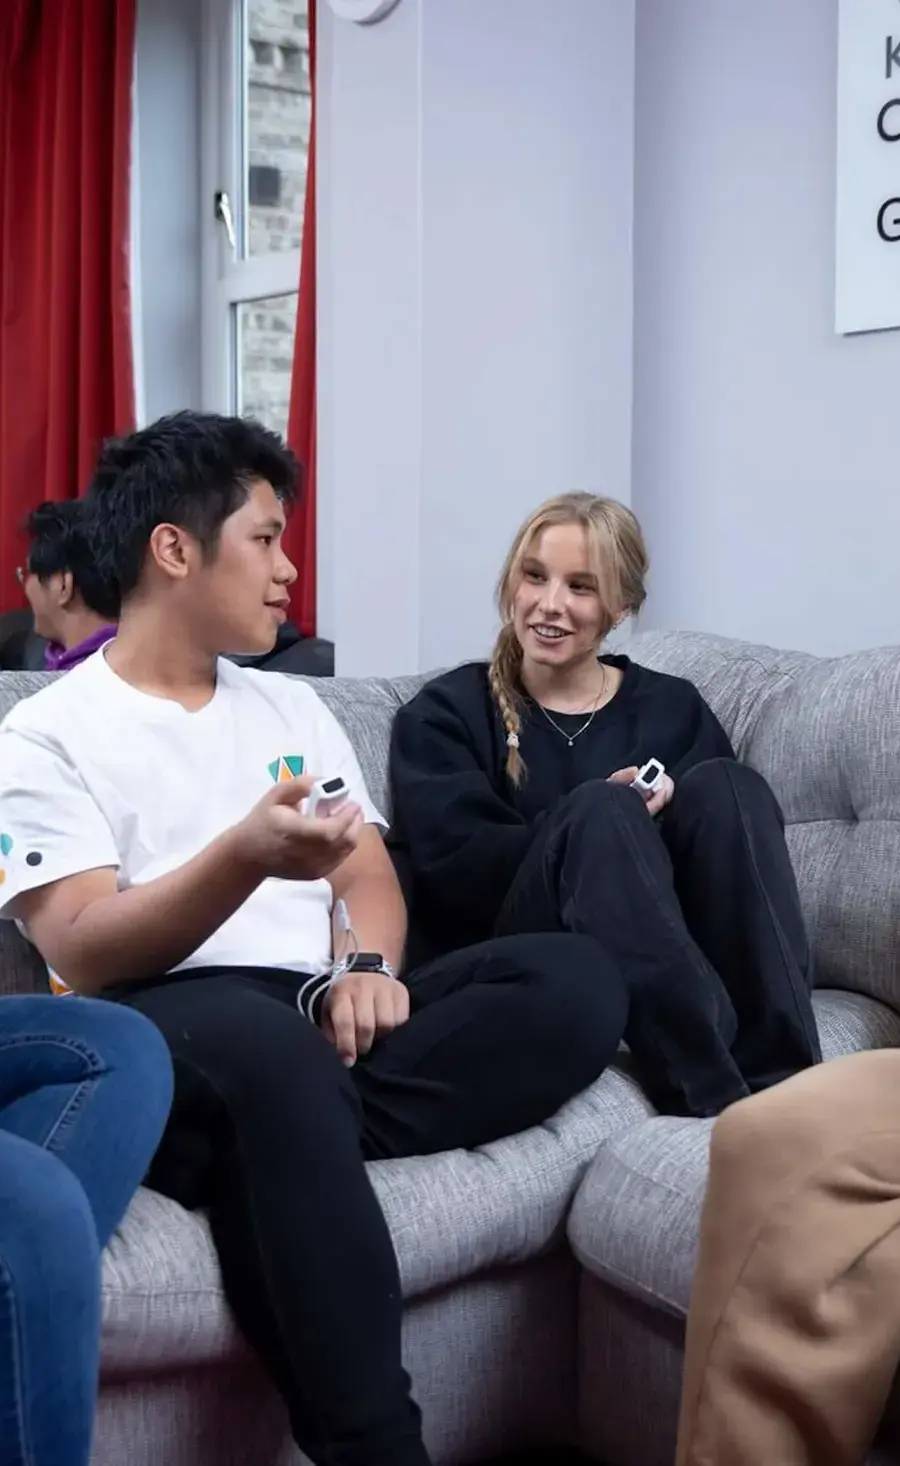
(793, 1337)
(166, 858)
(85, 1089)
(74, 608)
(513, 815)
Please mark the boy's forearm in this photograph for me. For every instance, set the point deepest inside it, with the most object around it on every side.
(378, 916)
(149, 929)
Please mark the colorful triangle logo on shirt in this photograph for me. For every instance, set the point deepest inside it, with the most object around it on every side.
(288, 766)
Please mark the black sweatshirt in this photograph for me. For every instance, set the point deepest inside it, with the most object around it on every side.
(461, 828)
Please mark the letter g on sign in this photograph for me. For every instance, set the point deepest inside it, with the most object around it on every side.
(889, 221)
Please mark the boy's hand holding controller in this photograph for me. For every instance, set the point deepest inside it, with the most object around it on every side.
(326, 797)
(279, 838)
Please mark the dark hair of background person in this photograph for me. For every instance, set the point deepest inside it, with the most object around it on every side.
(61, 542)
(190, 469)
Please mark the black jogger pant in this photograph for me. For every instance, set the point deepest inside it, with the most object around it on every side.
(270, 1131)
(700, 911)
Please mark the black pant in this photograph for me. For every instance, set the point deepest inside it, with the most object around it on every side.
(270, 1131)
(700, 911)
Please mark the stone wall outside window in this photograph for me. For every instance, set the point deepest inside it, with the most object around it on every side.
(277, 140)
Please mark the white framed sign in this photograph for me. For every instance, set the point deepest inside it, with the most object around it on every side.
(364, 12)
(867, 261)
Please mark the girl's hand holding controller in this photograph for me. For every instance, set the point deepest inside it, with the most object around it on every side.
(655, 785)
(661, 795)
(652, 783)
(648, 779)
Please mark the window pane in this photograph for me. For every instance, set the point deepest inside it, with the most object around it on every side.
(265, 353)
(276, 123)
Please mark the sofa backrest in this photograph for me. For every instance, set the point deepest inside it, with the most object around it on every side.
(824, 732)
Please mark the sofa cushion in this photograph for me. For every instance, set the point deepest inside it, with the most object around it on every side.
(450, 1216)
(635, 1219)
(16, 685)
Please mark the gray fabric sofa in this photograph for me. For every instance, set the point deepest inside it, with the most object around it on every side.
(546, 1275)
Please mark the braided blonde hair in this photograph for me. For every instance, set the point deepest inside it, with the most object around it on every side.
(618, 557)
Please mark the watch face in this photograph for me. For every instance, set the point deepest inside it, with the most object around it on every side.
(368, 962)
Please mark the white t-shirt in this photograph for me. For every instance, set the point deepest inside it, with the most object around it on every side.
(95, 773)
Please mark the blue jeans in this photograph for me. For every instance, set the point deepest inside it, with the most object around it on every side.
(85, 1089)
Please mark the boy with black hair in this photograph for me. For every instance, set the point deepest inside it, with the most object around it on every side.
(75, 609)
(162, 857)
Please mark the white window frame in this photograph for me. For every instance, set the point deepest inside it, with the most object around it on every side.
(227, 280)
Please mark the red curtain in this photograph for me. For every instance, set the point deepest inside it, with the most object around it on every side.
(300, 540)
(66, 378)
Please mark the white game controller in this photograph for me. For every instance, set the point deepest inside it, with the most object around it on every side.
(650, 778)
(326, 797)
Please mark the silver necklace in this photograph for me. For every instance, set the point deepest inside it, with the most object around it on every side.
(570, 737)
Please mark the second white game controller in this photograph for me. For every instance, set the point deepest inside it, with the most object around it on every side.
(649, 778)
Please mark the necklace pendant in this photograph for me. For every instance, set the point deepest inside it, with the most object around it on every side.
(571, 742)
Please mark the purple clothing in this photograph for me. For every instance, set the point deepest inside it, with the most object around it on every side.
(62, 659)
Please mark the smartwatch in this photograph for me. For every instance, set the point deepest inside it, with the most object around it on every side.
(312, 993)
(362, 962)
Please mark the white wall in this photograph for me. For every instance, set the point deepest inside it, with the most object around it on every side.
(765, 460)
(475, 167)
